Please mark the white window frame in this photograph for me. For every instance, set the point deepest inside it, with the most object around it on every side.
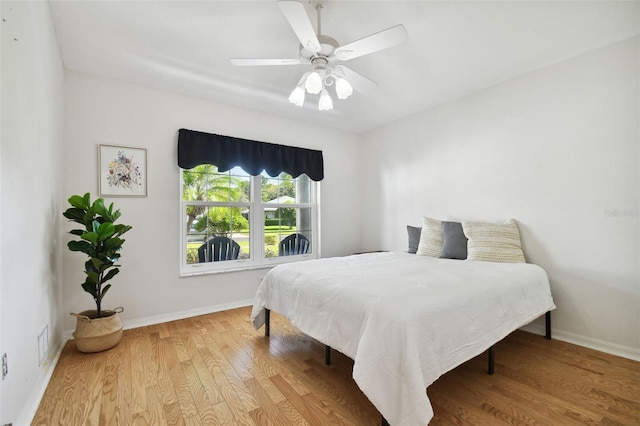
(256, 232)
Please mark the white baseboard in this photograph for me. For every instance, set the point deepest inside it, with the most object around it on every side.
(31, 407)
(598, 345)
(173, 316)
(587, 342)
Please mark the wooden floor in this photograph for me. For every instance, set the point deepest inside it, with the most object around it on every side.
(217, 370)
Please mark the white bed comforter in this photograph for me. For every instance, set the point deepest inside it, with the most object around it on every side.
(404, 319)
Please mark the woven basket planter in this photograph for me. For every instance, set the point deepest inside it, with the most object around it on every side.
(97, 334)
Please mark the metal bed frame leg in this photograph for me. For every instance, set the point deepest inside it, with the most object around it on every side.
(492, 361)
(547, 334)
(547, 325)
(267, 329)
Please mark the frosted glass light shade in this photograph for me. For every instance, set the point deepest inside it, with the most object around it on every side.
(343, 88)
(313, 84)
(325, 103)
(297, 96)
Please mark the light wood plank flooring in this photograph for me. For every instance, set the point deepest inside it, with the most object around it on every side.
(217, 370)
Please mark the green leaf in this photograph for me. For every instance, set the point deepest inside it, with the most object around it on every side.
(115, 215)
(99, 208)
(112, 273)
(92, 277)
(97, 263)
(82, 246)
(87, 219)
(92, 237)
(75, 214)
(88, 266)
(90, 288)
(104, 290)
(79, 202)
(121, 229)
(105, 230)
(113, 243)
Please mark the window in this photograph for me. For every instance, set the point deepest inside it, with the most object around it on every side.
(233, 221)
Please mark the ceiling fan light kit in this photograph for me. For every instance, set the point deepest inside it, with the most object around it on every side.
(297, 96)
(343, 88)
(325, 103)
(314, 83)
(323, 53)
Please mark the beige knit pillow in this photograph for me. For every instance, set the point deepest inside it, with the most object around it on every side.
(493, 242)
(430, 238)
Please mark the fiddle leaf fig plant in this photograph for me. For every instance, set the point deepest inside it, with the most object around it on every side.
(99, 240)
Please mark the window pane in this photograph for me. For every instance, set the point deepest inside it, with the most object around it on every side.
(279, 189)
(303, 189)
(240, 230)
(239, 185)
(224, 221)
(271, 232)
(228, 222)
(195, 183)
(194, 240)
(287, 231)
(205, 183)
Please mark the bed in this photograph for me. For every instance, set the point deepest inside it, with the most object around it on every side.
(421, 316)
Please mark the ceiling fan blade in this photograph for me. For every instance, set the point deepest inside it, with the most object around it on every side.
(259, 62)
(357, 80)
(382, 40)
(300, 23)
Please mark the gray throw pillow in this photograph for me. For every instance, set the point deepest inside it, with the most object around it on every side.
(454, 242)
(414, 238)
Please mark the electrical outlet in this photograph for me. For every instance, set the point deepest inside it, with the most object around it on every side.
(43, 344)
(5, 366)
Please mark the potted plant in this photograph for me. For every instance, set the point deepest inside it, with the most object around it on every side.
(100, 239)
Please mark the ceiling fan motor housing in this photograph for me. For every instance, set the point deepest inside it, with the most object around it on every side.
(327, 46)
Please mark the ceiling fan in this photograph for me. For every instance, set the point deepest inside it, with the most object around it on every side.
(325, 54)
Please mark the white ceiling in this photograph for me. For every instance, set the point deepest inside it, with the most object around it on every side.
(454, 48)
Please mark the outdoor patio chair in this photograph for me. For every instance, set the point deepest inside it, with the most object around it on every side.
(294, 244)
(217, 249)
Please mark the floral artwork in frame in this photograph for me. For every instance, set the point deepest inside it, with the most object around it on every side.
(122, 171)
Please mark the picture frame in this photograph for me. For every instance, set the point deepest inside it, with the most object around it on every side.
(122, 171)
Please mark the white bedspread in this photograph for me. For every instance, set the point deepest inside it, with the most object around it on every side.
(404, 319)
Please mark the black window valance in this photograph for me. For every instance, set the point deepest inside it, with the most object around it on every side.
(226, 152)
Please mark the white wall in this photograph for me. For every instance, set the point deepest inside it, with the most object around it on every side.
(557, 150)
(31, 226)
(100, 111)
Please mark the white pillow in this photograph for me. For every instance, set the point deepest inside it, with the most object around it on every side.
(430, 238)
(493, 242)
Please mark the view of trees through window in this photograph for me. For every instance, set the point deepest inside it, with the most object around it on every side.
(220, 204)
